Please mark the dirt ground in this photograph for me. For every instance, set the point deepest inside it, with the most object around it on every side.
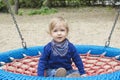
(88, 26)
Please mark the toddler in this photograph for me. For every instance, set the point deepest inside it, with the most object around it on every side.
(59, 54)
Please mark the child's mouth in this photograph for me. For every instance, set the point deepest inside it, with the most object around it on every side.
(59, 37)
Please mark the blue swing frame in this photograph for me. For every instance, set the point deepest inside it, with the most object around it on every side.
(33, 51)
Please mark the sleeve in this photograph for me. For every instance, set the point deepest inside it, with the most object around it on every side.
(43, 61)
(77, 60)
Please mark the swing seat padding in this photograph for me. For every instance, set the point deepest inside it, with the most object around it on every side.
(33, 51)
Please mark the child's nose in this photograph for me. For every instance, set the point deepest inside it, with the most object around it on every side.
(59, 32)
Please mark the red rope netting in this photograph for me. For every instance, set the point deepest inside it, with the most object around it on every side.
(94, 65)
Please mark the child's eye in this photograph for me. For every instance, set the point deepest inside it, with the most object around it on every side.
(62, 30)
(55, 31)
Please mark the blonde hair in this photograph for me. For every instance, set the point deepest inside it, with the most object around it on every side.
(56, 20)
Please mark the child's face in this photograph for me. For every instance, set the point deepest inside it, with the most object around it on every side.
(59, 33)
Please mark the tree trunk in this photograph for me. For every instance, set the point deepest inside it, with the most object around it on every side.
(16, 6)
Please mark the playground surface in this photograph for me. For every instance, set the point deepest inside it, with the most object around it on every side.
(88, 26)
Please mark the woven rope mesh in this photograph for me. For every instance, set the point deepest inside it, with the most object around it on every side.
(94, 65)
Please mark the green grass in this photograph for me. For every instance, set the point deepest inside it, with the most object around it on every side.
(41, 11)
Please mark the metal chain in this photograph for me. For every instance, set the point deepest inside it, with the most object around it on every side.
(107, 43)
(16, 25)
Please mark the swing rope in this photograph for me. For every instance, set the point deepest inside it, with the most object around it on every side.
(107, 43)
(16, 25)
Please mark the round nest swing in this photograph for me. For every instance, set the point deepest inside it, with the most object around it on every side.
(100, 62)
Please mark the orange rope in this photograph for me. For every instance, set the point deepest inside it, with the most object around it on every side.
(94, 65)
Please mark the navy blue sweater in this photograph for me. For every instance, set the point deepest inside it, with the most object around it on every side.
(49, 61)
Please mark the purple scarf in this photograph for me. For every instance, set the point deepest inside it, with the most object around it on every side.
(60, 48)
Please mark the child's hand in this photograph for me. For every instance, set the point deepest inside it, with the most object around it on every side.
(84, 75)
